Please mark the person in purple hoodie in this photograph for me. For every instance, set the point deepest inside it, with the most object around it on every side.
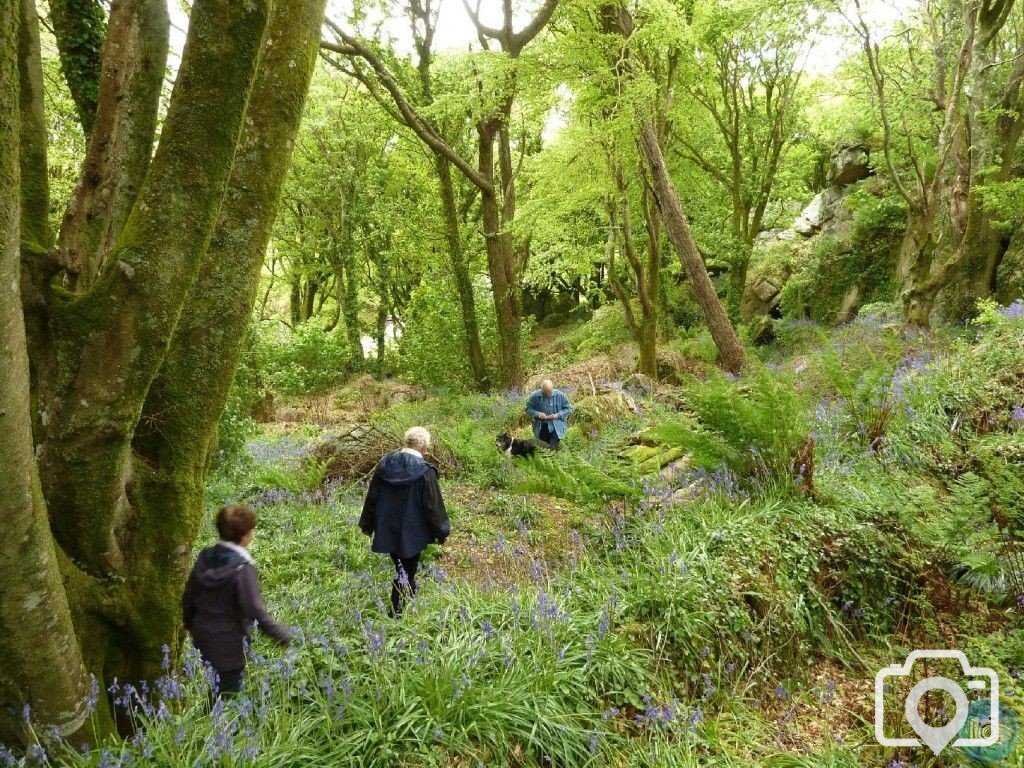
(222, 600)
(404, 511)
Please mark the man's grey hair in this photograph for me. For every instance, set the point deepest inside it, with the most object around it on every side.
(547, 384)
(418, 438)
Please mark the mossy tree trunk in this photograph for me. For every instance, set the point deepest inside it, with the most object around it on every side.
(988, 149)
(131, 372)
(119, 148)
(42, 662)
(921, 264)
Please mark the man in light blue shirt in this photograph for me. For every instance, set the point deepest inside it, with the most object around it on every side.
(548, 407)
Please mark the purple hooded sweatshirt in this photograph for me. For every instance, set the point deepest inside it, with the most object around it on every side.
(221, 601)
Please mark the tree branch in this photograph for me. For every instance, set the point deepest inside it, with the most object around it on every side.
(410, 117)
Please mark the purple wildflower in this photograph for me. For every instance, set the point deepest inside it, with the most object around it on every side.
(1014, 311)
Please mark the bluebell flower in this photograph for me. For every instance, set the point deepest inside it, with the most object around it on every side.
(1014, 311)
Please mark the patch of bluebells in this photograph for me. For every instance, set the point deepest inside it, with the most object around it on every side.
(329, 493)
(276, 451)
(909, 367)
(657, 714)
(1017, 415)
(1014, 311)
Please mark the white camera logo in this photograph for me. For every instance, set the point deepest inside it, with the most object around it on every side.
(938, 738)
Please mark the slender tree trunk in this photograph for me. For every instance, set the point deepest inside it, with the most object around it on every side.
(385, 279)
(295, 299)
(651, 302)
(730, 351)
(309, 297)
(738, 280)
(460, 274)
(501, 259)
(647, 274)
(350, 304)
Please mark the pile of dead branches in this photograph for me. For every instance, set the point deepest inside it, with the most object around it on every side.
(351, 454)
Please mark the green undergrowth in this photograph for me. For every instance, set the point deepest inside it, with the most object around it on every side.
(728, 610)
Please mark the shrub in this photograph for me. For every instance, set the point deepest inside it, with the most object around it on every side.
(432, 348)
(307, 361)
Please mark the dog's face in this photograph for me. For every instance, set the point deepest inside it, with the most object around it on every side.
(503, 442)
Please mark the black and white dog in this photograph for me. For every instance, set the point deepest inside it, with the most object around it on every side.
(511, 446)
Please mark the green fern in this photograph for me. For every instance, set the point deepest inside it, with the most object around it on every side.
(569, 476)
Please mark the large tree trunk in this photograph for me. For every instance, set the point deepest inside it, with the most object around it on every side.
(730, 351)
(133, 373)
(461, 275)
(42, 662)
(109, 360)
(988, 156)
(178, 432)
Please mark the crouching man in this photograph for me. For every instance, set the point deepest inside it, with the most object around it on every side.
(548, 408)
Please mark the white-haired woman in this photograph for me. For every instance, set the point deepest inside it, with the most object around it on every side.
(404, 511)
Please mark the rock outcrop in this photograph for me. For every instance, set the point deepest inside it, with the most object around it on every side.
(848, 166)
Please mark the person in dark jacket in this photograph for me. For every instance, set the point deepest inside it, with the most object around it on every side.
(222, 600)
(404, 511)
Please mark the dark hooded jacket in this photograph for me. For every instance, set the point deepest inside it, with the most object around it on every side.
(221, 601)
(404, 511)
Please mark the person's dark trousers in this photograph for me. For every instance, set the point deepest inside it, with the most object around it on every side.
(405, 581)
(548, 435)
(228, 684)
